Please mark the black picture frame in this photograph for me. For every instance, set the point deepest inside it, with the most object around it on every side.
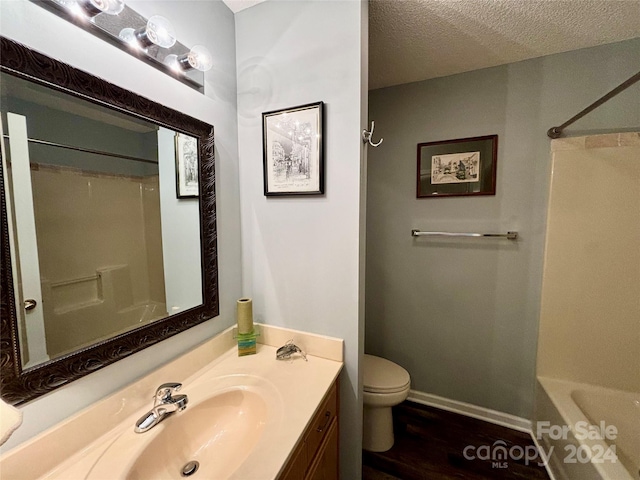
(293, 150)
(187, 182)
(462, 166)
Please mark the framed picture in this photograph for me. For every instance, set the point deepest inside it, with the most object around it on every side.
(293, 156)
(464, 166)
(186, 166)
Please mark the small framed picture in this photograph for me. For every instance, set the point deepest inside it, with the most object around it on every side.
(293, 154)
(464, 166)
(186, 166)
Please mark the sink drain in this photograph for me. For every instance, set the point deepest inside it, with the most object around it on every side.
(190, 468)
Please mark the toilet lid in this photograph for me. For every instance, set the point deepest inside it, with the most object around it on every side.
(384, 376)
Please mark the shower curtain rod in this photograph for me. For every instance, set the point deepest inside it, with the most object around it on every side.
(556, 132)
(87, 150)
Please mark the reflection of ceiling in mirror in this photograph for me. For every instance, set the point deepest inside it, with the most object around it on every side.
(46, 97)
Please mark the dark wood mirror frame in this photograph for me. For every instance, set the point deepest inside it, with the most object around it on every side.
(18, 385)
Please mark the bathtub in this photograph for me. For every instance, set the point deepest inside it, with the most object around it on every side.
(69, 330)
(85, 310)
(590, 432)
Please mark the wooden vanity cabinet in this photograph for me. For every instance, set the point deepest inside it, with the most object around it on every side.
(316, 455)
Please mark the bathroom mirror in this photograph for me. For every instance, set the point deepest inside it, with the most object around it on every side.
(108, 223)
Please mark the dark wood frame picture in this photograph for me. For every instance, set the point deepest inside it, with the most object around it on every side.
(463, 166)
(293, 150)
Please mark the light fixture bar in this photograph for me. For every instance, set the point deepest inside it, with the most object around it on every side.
(109, 26)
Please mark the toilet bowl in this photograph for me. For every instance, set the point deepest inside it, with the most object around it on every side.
(385, 385)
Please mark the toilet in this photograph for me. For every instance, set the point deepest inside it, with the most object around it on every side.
(385, 385)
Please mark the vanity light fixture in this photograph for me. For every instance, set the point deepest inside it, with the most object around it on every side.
(152, 40)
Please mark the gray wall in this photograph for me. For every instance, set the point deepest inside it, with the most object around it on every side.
(462, 315)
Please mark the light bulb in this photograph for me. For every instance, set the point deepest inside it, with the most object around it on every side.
(128, 35)
(158, 31)
(94, 7)
(171, 61)
(198, 57)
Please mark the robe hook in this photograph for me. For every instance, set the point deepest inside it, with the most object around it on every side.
(366, 136)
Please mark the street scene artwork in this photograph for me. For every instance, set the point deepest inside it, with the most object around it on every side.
(455, 168)
(292, 151)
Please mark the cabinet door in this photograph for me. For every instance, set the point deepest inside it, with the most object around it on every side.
(319, 427)
(325, 466)
(297, 465)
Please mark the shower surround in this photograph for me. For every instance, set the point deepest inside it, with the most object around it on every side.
(589, 339)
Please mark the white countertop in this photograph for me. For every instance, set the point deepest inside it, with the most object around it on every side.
(68, 450)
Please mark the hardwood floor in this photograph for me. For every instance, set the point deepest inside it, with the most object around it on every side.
(430, 444)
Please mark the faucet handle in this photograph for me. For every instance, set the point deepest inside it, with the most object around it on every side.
(165, 390)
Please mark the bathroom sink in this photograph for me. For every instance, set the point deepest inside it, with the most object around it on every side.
(218, 433)
(209, 440)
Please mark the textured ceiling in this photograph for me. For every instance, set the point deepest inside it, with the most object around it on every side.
(413, 40)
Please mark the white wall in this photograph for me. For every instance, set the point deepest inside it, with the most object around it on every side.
(301, 254)
(462, 315)
(209, 23)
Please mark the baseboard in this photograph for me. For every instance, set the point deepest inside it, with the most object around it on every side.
(481, 413)
(492, 416)
(547, 467)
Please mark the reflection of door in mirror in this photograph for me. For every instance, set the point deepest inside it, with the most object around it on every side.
(92, 202)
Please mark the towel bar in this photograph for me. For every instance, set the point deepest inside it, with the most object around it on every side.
(508, 235)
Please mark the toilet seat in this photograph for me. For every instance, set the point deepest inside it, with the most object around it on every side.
(384, 376)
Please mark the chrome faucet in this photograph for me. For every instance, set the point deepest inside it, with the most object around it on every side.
(164, 404)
